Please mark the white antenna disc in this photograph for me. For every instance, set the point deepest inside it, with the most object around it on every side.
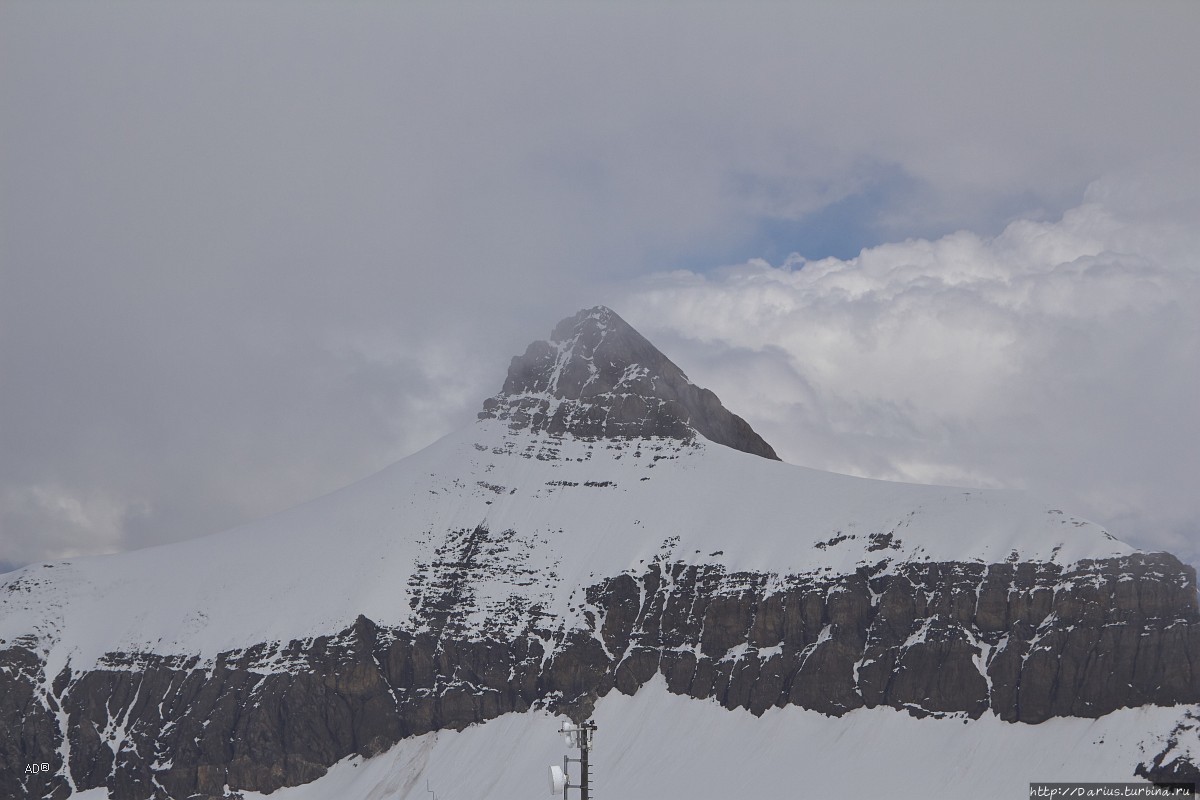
(558, 780)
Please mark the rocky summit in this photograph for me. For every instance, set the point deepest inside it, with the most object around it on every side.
(599, 378)
(606, 529)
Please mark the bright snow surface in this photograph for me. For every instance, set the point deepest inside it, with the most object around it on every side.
(581, 511)
(656, 745)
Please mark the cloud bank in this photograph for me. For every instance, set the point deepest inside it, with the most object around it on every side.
(1058, 357)
(250, 253)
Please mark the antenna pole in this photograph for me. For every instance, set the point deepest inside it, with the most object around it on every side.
(580, 736)
(585, 745)
(584, 736)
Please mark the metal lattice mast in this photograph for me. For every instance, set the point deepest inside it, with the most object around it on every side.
(585, 746)
(579, 736)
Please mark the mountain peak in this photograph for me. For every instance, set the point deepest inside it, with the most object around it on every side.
(598, 378)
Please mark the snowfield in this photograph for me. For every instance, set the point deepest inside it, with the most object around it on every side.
(578, 511)
(656, 745)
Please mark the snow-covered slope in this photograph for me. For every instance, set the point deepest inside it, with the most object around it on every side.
(605, 528)
(655, 745)
(580, 511)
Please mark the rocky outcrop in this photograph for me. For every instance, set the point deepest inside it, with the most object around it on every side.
(1027, 641)
(1024, 641)
(30, 764)
(1175, 762)
(599, 378)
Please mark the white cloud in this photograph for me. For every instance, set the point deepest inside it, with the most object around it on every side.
(201, 200)
(1057, 356)
(54, 522)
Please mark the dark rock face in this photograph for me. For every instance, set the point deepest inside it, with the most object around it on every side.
(1026, 641)
(599, 378)
(29, 733)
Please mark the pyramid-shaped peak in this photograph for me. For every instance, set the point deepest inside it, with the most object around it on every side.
(591, 353)
(598, 378)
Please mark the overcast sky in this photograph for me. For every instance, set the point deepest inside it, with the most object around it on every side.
(252, 252)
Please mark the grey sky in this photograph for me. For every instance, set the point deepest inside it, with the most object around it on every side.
(252, 252)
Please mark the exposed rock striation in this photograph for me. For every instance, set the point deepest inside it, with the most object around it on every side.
(1025, 641)
(599, 378)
